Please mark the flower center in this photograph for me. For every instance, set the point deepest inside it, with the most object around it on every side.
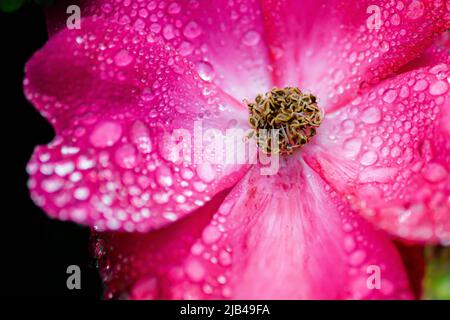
(284, 120)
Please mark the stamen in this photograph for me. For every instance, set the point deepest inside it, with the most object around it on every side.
(293, 114)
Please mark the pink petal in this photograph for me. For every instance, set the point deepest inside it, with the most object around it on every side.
(437, 53)
(112, 96)
(414, 261)
(336, 48)
(223, 38)
(285, 236)
(389, 153)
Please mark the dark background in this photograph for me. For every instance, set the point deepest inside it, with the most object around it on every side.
(38, 249)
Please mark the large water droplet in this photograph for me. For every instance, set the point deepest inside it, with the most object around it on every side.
(140, 137)
(435, 172)
(371, 115)
(206, 172)
(64, 168)
(195, 270)
(164, 176)
(205, 70)
(251, 38)
(420, 85)
(211, 234)
(147, 94)
(168, 32)
(106, 134)
(174, 8)
(390, 96)
(369, 158)
(125, 156)
(415, 9)
(357, 258)
(352, 147)
(192, 30)
(438, 88)
(123, 58)
(225, 258)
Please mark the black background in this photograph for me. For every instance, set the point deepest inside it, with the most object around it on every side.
(36, 250)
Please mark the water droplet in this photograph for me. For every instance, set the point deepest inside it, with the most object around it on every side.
(251, 38)
(404, 92)
(168, 32)
(64, 168)
(348, 126)
(435, 172)
(185, 48)
(155, 27)
(384, 46)
(438, 88)
(192, 30)
(349, 243)
(123, 58)
(140, 137)
(415, 9)
(106, 134)
(211, 234)
(52, 184)
(225, 258)
(199, 186)
(81, 193)
(143, 13)
(174, 8)
(147, 94)
(357, 258)
(194, 270)
(390, 96)
(368, 158)
(205, 70)
(352, 147)
(376, 141)
(371, 115)
(395, 19)
(139, 25)
(186, 174)
(206, 172)
(125, 156)
(170, 215)
(221, 279)
(396, 152)
(79, 214)
(420, 85)
(164, 176)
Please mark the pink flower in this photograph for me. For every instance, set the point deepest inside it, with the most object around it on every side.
(318, 229)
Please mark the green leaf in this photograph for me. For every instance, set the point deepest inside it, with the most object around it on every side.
(437, 276)
(10, 5)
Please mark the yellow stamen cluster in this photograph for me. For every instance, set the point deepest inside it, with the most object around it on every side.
(286, 115)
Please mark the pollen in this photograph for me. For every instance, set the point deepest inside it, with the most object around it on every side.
(283, 120)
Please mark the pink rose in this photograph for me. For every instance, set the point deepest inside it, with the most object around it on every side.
(322, 226)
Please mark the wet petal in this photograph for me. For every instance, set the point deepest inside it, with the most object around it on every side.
(284, 236)
(414, 261)
(115, 99)
(389, 153)
(336, 48)
(224, 39)
(437, 53)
